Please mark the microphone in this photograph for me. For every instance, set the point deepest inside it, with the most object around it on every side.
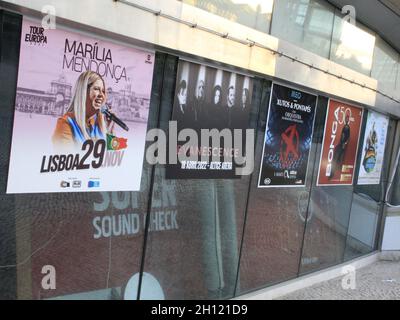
(113, 117)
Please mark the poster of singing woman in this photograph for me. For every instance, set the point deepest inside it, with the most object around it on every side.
(81, 113)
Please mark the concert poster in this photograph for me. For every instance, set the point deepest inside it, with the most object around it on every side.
(208, 100)
(288, 138)
(63, 140)
(340, 144)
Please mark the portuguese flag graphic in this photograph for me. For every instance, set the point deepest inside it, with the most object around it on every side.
(114, 143)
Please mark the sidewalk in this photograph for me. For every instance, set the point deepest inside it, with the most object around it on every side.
(378, 281)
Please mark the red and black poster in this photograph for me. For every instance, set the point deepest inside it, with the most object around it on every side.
(340, 144)
(288, 138)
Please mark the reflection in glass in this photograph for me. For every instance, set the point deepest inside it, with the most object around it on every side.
(395, 189)
(306, 23)
(352, 46)
(274, 224)
(385, 64)
(362, 226)
(328, 214)
(366, 209)
(199, 258)
(251, 13)
(220, 244)
(398, 78)
(325, 236)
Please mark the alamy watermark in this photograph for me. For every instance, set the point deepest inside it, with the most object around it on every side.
(350, 14)
(238, 147)
(349, 279)
(49, 17)
(49, 279)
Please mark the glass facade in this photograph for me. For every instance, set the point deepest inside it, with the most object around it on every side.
(197, 238)
(398, 77)
(255, 14)
(395, 188)
(274, 225)
(327, 216)
(199, 259)
(367, 208)
(385, 65)
(305, 23)
(352, 46)
(10, 27)
(318, 27)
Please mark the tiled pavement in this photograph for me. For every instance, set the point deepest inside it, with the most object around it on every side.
(378, 281)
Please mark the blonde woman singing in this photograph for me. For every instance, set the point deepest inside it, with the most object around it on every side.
(83, 119)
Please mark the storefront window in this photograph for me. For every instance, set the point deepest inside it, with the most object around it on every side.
(89, 244)
(396, 188)
(366, 209)
(208, 238)
(198, 258)
(328, 214)
(10, 26)
(364, 218)
(275, 218)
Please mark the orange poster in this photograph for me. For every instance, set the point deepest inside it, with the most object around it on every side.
(340, 144)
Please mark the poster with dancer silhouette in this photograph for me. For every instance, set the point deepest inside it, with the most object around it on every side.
(373, 149)
(340, 144)
(288, 138)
